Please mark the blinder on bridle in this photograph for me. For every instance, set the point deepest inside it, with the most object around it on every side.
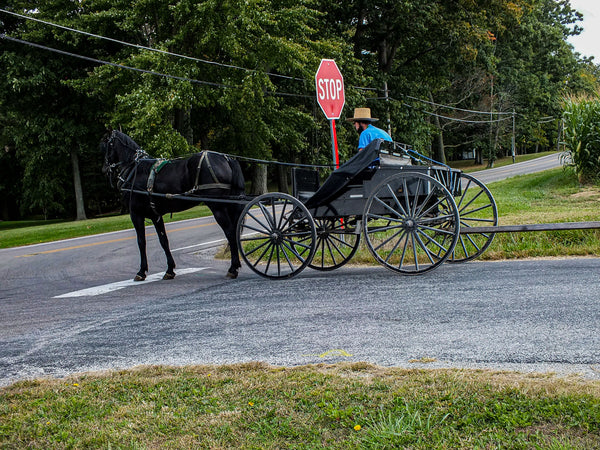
(109, 167)
(121, 168)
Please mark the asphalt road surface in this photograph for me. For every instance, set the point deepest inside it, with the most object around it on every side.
(535, 165)
(69, 306)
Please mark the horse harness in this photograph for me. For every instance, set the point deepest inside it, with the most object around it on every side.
(204, 159)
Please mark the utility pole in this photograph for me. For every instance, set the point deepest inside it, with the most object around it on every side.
(513, 136)
(387, 99)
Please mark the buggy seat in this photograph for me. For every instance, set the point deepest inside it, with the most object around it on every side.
(345, 174)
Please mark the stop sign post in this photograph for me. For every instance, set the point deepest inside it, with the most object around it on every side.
(331, 97)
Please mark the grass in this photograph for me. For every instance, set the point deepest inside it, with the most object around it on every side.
(15, 234)
(343, 406)
(549, 196)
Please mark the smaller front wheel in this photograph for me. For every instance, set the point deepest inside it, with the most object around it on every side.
(276, 236)
(337, 242)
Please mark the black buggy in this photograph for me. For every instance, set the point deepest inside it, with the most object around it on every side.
(409, 211)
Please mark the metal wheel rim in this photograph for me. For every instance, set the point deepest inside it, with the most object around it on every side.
(476, 207)
(411, 234)
(276, 236)
(334, 247)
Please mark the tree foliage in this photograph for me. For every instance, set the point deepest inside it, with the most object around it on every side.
(238, 76)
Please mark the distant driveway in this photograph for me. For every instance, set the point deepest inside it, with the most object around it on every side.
(522, 168)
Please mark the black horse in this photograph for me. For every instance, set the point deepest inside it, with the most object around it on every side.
(151, 187)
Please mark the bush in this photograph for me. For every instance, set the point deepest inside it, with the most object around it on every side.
(582, 137)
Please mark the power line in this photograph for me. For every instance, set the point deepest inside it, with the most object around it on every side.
(141, 47)
(455, 119)
(464, 120)
(150, 72)
(453, 107)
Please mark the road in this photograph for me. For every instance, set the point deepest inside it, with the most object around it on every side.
(70, 306)
(535, 165)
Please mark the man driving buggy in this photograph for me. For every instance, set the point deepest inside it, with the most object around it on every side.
(363, 123)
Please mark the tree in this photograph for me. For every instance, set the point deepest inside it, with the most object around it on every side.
(46, 122)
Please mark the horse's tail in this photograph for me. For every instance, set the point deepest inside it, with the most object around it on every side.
(238, 184)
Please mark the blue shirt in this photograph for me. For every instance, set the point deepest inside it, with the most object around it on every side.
(371, 133)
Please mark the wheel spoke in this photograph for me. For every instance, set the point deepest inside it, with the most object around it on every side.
(258, 230)
(267, 242)
(481, 208)
(400, 207)
(379, 229)
(472, 200)
(431, 240)
(258, 221)
(284, 244)
(464, 195)
(282, 214)
(396, 245)
(424, 247)
(414, 248)
(388, 207)
(267, 216)
(271, 247)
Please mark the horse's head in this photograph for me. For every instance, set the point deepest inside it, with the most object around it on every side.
(119, 149)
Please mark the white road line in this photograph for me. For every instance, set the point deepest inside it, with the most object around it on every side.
(99, 290)
(207, 244)
(210, 243)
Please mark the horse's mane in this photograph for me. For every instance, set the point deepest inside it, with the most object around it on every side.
(125, 140)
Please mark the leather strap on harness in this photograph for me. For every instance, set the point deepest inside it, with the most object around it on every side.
(150, 184)
(160, 163)
(216, 185)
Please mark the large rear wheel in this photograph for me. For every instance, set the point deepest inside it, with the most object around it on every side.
(476, 208)
(276, 236)
(411, 223)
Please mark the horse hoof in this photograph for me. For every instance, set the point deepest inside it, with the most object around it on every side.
(139, 278)
(233, 276)
(169, 276)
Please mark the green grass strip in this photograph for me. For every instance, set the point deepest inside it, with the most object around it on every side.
(343, 406)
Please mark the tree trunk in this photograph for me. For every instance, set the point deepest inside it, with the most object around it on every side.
(80, 207)
(282, 179)
(478, 156)
(183, 124)
(438, 149)
(259, 179)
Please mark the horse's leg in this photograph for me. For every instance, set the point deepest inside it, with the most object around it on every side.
(140, 231)
(159, 226)
(225, 218)
(234, 211)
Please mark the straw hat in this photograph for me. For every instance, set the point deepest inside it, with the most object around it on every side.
(362, 115)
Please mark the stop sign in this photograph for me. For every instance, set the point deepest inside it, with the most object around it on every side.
(330, 89)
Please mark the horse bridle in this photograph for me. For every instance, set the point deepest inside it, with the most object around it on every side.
(124, 167)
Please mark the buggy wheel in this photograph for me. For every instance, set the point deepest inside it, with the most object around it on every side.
(411, 223)
(337, 241)
(276, 236)
(476, 208)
